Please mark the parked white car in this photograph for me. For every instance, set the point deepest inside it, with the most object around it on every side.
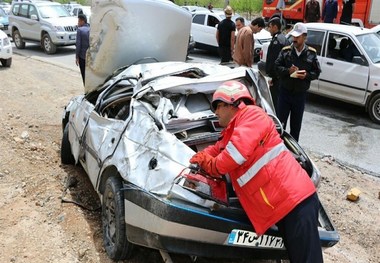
(204, 26)
(350, 61)
(86, 10)
(5, 49)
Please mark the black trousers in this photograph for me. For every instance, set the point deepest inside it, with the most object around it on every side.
(225, 54)
(299, 230)
(82, 67)
(293, 104)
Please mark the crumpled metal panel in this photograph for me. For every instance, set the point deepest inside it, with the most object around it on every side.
(142, 143)
(126, 31)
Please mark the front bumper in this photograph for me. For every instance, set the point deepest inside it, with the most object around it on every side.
(178, 227)
(64, 38)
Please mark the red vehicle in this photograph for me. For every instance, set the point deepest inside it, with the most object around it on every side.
(366, 13)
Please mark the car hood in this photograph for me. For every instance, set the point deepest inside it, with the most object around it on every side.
(126, 32)
(62, 21)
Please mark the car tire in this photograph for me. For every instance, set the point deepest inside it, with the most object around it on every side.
(6, 62)
(113, 221)
(17, 39)
(66, 154)
(374, 108)
(48, 46)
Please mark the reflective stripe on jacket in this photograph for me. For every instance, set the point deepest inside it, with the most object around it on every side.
(267, 179)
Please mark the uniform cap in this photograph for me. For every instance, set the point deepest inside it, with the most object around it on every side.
(298, 29)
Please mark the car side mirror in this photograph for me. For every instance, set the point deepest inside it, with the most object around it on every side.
(359, 60)
(33, 17)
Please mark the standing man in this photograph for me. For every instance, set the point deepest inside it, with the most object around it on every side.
(347, 11)
(239, 23)
(271, 185)
(297, 65)
(244, 49)
(312, 11)
(82, 44)
(330, 11)
(277, 43)
(225, 36)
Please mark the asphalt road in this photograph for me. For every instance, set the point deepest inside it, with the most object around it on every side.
(330, 128)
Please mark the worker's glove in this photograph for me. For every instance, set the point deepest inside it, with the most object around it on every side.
(206, 162)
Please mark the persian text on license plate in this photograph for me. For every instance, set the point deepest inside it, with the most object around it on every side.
(251, 239)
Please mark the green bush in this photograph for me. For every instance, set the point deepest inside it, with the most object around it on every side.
(246, 7)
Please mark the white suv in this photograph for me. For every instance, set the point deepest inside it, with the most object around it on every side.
(45, 22)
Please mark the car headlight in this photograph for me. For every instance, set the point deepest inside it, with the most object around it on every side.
(59, 28)
(6, 42)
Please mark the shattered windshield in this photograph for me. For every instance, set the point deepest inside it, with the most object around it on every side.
(371, 45)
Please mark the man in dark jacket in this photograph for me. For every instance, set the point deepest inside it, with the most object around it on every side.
(347, 11)
(82, 43)
(312, 11)
(330, 11)
(225, 36)
(297, 65)
(277, 43)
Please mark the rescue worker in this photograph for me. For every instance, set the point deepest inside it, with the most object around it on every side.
(297, 65)
(271, 185)
(277, 43)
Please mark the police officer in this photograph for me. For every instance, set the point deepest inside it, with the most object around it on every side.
(277, 43)
(297, 65)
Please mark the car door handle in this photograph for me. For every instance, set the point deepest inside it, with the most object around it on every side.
(330, 63)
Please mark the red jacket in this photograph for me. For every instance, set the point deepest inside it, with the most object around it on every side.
(267, 179)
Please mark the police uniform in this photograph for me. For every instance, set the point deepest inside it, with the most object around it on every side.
(292, 95)
(277, 43)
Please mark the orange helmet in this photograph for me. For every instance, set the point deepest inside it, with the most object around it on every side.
(230, 92)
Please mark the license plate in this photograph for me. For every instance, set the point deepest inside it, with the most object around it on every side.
(73, 37)
(251, 239)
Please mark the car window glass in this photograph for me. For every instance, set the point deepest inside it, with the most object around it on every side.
(16, 9)
(371, 45)
(23, 11)
(212, 21)
(2, 13)
(199, 19)
(32, 11)
(53, 11)
(315, 39)
(344, 49)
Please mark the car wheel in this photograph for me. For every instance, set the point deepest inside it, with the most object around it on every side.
(6, 62)
(113, 220)
(66, 154)
(374, 108)
(17, 39)
(48, 46)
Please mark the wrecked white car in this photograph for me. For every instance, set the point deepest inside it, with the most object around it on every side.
(135, 130)
(134, 136)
